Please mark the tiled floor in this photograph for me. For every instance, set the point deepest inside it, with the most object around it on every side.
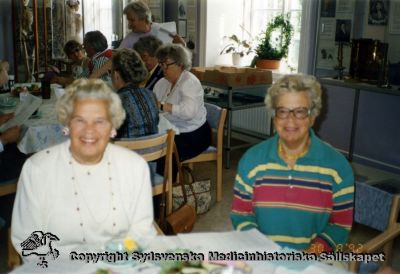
(217, 219)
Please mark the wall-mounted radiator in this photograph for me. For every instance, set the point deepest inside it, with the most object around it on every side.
(253, 120)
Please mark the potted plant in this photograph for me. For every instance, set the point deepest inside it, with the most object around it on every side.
(238, 48)
(274, 43)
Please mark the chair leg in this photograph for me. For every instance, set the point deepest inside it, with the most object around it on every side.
(13, 257)
(219, 179)
(387, 249)
(354, 266)
(169, 200)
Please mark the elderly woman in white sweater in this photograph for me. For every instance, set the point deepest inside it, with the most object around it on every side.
(85, 191)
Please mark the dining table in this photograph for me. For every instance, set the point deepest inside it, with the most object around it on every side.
(42, 129)
(200, 245)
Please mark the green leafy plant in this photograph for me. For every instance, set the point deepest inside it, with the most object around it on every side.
(236, 45)
(275, 41)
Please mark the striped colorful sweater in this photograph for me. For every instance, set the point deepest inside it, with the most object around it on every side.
(311, 203)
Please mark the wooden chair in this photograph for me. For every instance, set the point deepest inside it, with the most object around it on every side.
(8, 187)
(377, 205)
(13, 260)
(216, 118)
(154, 147)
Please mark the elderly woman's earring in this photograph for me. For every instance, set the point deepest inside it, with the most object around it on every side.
(113, 133)
(65, 131)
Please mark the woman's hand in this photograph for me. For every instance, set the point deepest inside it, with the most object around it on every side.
(176, 39)
(4, 118)
(11, 135)
(167, 107)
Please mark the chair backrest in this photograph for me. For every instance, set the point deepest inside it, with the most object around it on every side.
(213, 115)
(216, 117)
(153, 147)
(372, 206)
(8, 187)
(150, 147)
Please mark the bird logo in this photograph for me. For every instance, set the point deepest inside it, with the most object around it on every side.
(40, 245)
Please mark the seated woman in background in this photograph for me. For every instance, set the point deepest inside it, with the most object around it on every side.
(293, 187)
(74, 52)
(147, 48)
(11, 159)
(81, 190)
(181, 96)
(139, 103)
(95, 44)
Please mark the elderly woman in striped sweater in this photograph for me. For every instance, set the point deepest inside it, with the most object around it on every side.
(293, 187)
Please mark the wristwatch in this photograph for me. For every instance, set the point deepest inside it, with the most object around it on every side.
(162, 106)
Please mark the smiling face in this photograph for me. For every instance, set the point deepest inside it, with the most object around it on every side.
(90, 128)
(293, 131)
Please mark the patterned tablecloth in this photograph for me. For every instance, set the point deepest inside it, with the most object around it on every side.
(43, 130)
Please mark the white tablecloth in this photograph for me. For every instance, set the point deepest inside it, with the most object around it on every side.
(197, 242)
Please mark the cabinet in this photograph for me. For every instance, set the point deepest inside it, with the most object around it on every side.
(234, 99)
(361, 120)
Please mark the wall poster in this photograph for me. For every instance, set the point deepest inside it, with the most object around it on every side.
(378, 12)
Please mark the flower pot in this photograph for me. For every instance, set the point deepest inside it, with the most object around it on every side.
(236, 59)
(268, 64)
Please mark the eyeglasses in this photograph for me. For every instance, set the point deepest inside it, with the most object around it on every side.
(165, 65)
(299, 113)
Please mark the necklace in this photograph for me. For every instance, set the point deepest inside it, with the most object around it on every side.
(295, 156)
(81, 200)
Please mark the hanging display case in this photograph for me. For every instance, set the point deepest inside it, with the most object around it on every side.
(40, 30)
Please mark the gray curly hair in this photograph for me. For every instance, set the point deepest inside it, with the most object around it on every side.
(176, 52)
(90, 89)
(149, 44)
(295, 83)
(140, 8)
(129, 65)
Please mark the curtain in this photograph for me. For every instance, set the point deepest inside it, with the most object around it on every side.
(98, 16)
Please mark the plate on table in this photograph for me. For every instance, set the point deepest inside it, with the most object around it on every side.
(8, 102)
(122, 245)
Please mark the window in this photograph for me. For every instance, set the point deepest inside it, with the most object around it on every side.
(260, 12)
(98, 16)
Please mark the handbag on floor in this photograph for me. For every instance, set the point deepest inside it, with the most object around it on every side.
(182, 219)
(198, 192)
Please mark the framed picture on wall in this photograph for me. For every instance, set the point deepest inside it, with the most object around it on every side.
(328, 8)
(343, 30)
(378, 12)
(182, 9)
